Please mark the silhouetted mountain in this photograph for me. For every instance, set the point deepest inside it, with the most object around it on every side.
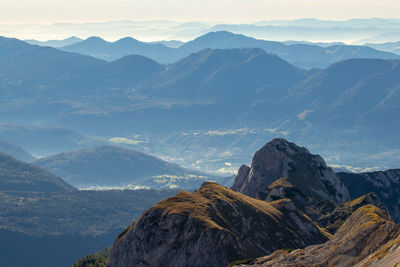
(393, 47)
(300, 54)
(359, 95)
(45, 83)
(97, 47)
(55, 43)
(42, 140)
(226, 73)
(110, 166)
(170, 43)
(15, 151)
(16, 175)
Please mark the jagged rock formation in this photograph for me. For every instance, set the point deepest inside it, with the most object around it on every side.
(213, 227)
(386, 185)
(363, 233)
(305, 171)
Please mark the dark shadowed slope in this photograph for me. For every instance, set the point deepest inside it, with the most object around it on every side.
(385, 184)
(20, 176)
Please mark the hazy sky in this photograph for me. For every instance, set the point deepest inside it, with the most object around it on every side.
(48, 11)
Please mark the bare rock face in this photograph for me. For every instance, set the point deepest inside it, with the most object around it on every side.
(366, 232)
(333, 220)
(213, 227)
(305, 171)
(386, 185)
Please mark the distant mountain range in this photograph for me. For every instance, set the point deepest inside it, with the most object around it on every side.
(110, 166)
(302, 55)
(308, 29)
(393, 47)
(56, 43)
(39, 140)
(232, 98)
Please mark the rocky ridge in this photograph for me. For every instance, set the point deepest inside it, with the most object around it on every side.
(213, 227)
(386, 185)
(364, 233)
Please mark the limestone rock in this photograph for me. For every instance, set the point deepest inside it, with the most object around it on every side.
(305, 171)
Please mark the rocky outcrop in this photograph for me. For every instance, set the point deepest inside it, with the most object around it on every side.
(385, 184)
(305, 171)
(213, 227)
(333, 220)
(364, 233)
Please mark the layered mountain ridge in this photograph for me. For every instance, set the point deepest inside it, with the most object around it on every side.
(301, 55)
(116, 167)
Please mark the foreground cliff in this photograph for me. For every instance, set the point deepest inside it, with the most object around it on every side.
(360, 240)
(213, 227)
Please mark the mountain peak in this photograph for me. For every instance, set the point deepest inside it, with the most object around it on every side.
(280, 158)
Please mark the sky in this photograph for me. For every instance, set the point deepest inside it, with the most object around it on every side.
(232, 11)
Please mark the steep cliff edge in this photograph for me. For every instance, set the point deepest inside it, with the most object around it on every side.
(305, 171)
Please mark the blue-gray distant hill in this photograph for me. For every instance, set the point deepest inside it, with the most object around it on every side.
(301, 55)
(56, 43)
(16, 175)
(15, 151)
(40, 140)
(209, 97)
(110, 166)
(97, 47)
